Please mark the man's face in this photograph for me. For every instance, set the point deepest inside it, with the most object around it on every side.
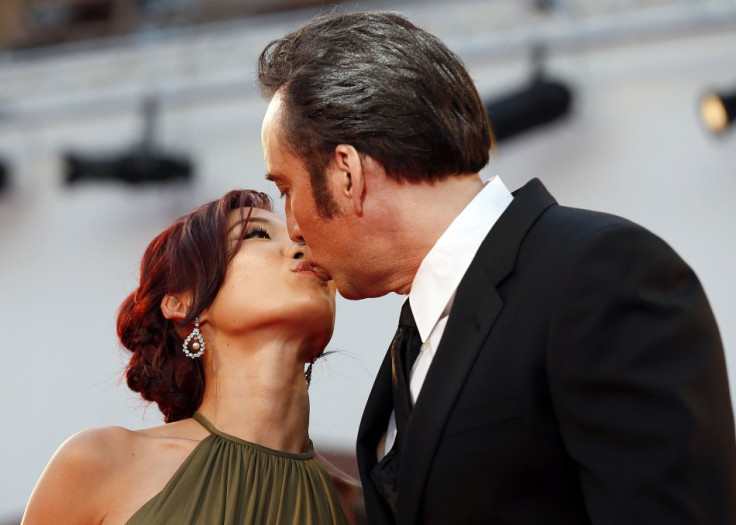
(330, 243)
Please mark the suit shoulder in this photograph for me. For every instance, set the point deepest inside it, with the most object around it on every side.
(561, 219)
(570, 227)
(586, 221)
(567, 240)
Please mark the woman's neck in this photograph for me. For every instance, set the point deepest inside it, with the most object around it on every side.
(259, 396)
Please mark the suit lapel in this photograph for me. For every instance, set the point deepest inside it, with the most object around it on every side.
(472, 317)
(373, 425)
(378, 408)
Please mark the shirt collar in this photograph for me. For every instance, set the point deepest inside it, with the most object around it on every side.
(445, 265)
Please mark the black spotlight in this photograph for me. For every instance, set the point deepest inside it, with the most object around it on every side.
(4, 177)
(540, 102)
(718, 111)
(143, 164)
(135, 168)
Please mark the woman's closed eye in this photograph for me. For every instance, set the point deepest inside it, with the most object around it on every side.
(257, 232)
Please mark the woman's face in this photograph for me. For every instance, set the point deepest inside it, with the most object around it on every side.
(269, 283)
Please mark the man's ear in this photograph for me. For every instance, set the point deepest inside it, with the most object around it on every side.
(349, 176)
(175, 306)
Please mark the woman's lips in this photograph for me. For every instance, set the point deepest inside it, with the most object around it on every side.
(308, 267)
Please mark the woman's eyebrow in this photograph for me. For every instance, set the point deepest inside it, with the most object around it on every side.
(263, 220)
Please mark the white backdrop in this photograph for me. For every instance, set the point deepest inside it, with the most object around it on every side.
(68, 256)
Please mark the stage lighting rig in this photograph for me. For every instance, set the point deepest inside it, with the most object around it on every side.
(718, 111)
(539, 102)
(4, 177)
(142, 165)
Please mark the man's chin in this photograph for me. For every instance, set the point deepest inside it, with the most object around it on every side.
(352, 293)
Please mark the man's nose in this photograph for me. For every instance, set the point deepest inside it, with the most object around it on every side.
(295, 234)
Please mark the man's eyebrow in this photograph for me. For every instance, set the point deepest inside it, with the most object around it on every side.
(272, 177)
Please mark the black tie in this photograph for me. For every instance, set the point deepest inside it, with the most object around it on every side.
(404, 350)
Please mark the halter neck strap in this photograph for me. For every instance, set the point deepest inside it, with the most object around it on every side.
(206, 423)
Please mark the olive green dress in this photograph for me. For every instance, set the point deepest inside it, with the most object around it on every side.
(226, 480)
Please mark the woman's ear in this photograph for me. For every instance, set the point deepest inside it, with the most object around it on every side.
(175, 306)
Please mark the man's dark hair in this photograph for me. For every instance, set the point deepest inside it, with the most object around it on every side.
(379, 83)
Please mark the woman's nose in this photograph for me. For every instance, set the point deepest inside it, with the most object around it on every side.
(295, 250)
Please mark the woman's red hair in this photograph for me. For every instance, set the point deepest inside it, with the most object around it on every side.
(191, 255)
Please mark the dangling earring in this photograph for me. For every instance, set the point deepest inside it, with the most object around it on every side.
(308, 373)
(198, 344)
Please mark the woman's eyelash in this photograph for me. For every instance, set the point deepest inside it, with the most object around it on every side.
(257, 232)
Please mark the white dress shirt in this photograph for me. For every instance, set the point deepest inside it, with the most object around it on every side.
(434, 286)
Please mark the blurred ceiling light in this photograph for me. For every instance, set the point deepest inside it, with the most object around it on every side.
(143, 164)
(137, 167)
(542, 101)
(4, 179)
(718, 111)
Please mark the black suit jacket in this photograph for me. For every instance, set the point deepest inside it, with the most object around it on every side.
(580, 378)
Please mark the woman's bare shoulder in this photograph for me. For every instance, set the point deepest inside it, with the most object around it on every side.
(98, 443)
(98, 450)
(78, 477)
(104, 474)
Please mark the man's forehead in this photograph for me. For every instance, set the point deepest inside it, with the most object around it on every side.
(272, 111)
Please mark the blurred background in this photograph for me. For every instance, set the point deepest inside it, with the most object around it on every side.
(118, 116)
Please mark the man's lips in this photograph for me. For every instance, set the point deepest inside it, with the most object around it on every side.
(308, 267)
